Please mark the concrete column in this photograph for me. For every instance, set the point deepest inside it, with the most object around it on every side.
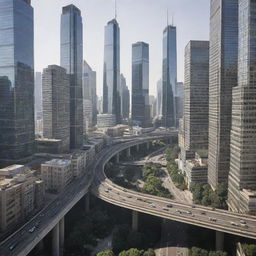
(138, 148)
(87, 202)
(135, 220)
(148, 145)
(128, 152)
(56, 241)
(62, 235)
(117, 158)
(219, 241)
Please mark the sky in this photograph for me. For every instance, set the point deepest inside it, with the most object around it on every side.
(139, 20)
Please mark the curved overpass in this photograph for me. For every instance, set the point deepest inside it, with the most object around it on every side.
(215, 219)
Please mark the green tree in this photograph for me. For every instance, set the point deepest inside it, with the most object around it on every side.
(249, 249)
(132, 252)
(149, 252)
(106, 253)
(197, 252)
(218, 253)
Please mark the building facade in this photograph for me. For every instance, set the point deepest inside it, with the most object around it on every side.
(89, 96)
(196, 104)
(169, 77)
(140, 84)
(56, 107)
(111, 76)
(38, 96)
(159, 98)
(242, 175)
(71, 58)
(222, 78)
(125, 98)
(16, 80)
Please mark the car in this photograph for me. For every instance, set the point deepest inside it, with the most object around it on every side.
(212, 219)
(193, 206)
(31, 230)
(234, 224)
(165, 209)
(13, 246)
(117, 193)
(109, 188)
(213, 208)
(169, 205)
(153, 206)
(106, 190)
(124, 190)
(244, 225)
(242, 221)
(203, 213)
(129, 196)
(188, 212)
(178, 211)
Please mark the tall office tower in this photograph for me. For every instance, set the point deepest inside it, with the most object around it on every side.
(222, 77)
(111, 76)
(89, 96)
(56, 107)
(125, 98)
(152, 105)
(179, 101)
(38, 96)
(242, 175)
(169, 78)
(16, 80)
(159, 98)
(140, 84)
(196, 104)
(71, 59)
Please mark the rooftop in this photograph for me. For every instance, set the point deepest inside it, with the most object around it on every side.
(58, 162)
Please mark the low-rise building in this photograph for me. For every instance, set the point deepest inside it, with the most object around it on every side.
(18, 197)
(56, 174)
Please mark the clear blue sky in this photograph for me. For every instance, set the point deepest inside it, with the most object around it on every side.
(139, 20)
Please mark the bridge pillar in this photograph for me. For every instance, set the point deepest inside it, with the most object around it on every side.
(219, 241)
(135, 220)
(56, 241)
(148, 145)
(62, 235)
(128, 152)
(87, 202)
(138, 148)
(117, 157)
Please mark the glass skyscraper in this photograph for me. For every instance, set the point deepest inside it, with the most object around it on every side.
(242, 175)
(140, 84)
(72, 61)
(222, 78)
(169, 77)
(111, 76)
(16, 80)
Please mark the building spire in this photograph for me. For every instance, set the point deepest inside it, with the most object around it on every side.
(115, 10)
(172, 20)
(167, 17)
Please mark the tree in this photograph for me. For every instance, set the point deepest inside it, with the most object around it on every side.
(218, 253)
(132, 252)
(249, 249)
(149, 252)
(106, 253)
(198, 252)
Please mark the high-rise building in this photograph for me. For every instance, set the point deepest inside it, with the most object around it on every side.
(38, 96)
(169, 77)
(242, 175)
(89, 96)
(16, 80)
(72, 60)
(152, 105)
(222, 77)
(196, 104)
(159, 98)
(111, 76)
(179, 100)
(125, 98)
(140, 84)
(56, 107)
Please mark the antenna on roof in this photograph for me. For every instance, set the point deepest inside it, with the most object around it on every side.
(115, 10)
(172, 20)
(167, 17)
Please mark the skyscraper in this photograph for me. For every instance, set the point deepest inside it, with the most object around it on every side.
(222, 77)
(56, 107)
(111, 76)
(159, 98)
(242, 175)
(16, 80)
(169, 77)
(140, 84)
(179, 100)
(89, 96)
(196, 104)
(38, 96)
(125, 99)
(71, 59)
